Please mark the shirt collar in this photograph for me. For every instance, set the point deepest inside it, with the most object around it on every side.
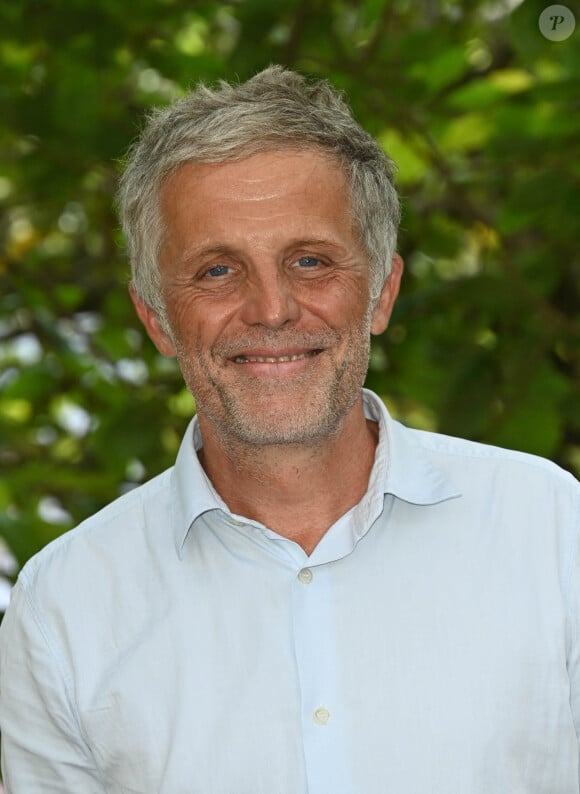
(407, 469)
(402, 467)
(192, 493)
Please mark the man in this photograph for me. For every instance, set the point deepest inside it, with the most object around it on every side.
(315, 598)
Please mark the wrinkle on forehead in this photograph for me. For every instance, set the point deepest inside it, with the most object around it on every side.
(241, 181)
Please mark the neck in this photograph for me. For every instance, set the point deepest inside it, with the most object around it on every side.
(297, 490)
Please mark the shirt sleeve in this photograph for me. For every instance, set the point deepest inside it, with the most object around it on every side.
(573, 593)
(43, 749)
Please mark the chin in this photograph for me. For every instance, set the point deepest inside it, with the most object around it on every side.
(281, 421)
(266, 437)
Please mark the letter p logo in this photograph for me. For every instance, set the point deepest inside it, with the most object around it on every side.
(557, 23)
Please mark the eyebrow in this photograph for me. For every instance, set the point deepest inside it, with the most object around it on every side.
(206, 250)
(225, 249)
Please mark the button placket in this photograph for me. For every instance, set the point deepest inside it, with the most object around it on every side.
(314, 621)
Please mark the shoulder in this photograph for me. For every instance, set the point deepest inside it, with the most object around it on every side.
(459, 458)
(463, 450)
(110, 537)
(498, 470)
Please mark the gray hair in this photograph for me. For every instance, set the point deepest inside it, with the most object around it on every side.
(276, 109)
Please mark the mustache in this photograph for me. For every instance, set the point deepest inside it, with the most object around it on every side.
(276, 342)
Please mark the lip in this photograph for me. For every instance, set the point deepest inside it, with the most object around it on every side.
(269, 351)
(263, 353)
(278, 362)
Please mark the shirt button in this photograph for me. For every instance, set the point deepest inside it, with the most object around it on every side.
(305, 576)
(321, 716)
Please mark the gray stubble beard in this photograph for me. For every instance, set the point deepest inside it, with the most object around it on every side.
(234, 424)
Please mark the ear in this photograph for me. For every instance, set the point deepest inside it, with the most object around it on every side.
(384, 307)
(153, 325)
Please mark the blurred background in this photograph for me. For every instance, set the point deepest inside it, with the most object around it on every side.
(481, 111)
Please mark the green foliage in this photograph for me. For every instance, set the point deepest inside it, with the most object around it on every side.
(481, 113)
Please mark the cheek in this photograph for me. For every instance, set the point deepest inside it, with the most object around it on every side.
(194, 324)
(343, 306)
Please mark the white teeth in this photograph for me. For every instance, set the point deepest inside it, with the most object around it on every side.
(272, 359)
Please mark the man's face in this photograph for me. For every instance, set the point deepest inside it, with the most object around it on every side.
(267, 295)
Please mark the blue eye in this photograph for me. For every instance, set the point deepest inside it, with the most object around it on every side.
(217, 270)
(308, 261)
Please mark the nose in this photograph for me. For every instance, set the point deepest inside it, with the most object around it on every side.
(270, 301)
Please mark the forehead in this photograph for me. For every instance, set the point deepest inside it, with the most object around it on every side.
(265, 176)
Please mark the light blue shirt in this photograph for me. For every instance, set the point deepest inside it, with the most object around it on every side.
(429, 645)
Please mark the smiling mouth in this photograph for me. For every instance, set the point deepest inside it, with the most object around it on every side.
(275, 359)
